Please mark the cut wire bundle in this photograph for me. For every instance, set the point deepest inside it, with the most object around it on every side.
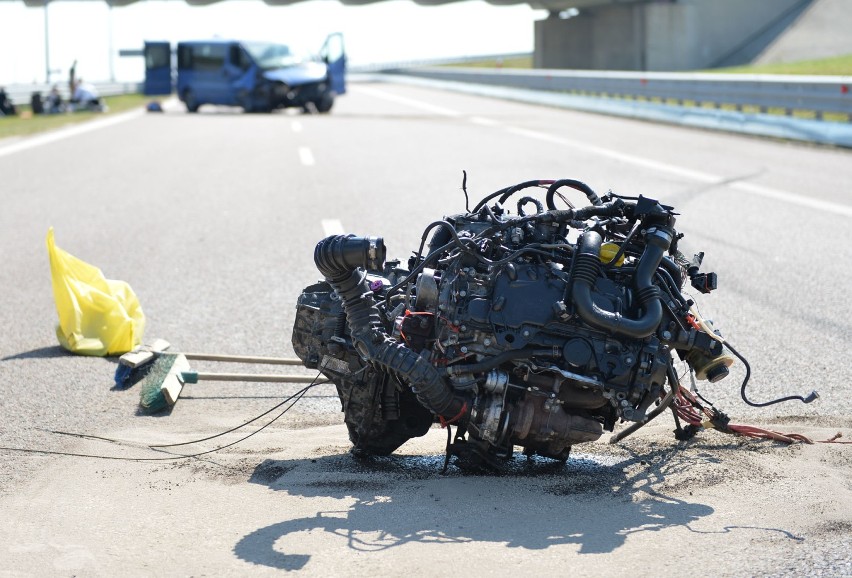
(689, 409)
(290, 401)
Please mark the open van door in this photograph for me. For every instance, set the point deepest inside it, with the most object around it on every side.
(158, 68)
(334, 55)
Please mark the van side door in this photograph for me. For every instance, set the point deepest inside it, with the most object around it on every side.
(158, 68)
(242, 74)
(334, 55)
(201, 72)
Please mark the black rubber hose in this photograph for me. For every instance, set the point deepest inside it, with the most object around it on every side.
(673, 270)
(524, 200)
(612, 209)
(586, 272)
(340, 259)
(574, 184)
(339, 255)
(508, 192)
(813, 396)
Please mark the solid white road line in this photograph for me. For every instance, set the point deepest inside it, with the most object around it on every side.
(332, 227)
(70, 131)
(409, 102)
(792, 198)
(662, 167)
(482, 121)
(306, 156)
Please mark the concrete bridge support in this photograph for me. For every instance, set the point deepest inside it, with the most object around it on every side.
(663, 35)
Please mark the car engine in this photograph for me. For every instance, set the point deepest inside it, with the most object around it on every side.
(539, 327)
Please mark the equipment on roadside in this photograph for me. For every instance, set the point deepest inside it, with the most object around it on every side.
(162, 384)
(133, 364)
(97, 316)
(537, 329)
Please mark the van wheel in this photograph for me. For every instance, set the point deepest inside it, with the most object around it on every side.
(260, 100)
(190, 101)
(324, 102)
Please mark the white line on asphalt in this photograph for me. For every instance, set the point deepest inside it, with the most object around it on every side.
(332, 227)
(483, 121)
(828, 206)
(619, 156)
(801, 200)
(68, 132)
(409, 101)
(306, 156)
(296, 126)
(792, 198)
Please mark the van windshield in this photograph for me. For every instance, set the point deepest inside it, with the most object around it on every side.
(269, 56)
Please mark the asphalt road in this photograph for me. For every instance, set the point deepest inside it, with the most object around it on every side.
(212, 219)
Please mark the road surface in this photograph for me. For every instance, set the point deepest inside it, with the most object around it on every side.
(212, 219)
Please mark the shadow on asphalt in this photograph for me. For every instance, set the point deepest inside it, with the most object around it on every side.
(593, 502)
(40, 353)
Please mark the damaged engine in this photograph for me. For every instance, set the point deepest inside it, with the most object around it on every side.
(520, 323)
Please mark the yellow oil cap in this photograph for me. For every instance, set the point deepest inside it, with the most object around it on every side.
(608, 251)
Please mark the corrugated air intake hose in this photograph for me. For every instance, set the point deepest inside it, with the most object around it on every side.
(342, 259)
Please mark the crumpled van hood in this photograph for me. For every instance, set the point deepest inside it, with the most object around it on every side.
(298, 74)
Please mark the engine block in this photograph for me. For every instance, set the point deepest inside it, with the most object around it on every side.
(536, 330)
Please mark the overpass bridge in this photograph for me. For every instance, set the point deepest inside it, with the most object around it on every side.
(647, 35)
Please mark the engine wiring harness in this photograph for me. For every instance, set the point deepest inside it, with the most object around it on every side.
(539, 327)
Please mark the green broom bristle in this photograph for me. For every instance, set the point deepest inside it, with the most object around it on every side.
(151, 397)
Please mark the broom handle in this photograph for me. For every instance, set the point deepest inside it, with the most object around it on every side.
(242, 358)
(196, 376)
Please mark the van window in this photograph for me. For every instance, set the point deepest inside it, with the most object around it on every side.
(269, 56)
(157, 56)
(239, 57)
(201, 57)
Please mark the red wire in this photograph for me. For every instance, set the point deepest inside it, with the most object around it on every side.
(688, 408)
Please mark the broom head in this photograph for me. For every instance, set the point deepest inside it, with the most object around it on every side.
(161, 387)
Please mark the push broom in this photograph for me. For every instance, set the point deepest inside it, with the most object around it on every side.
(133, 364)
(162, 384)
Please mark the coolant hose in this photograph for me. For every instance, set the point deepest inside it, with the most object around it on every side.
(341, 260)
(586, 271)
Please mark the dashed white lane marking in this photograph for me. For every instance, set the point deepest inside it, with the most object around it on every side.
(332, 227)
(306, 156)
(296, 126)
(482, 121)
(768, 192)
(70, 131)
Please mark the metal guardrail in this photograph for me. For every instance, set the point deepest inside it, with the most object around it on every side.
(22, 93)
(825, 98)
(816, 109)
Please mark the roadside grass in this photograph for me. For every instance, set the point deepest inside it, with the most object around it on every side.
(26, 123)
(835, 66)
(513, 62)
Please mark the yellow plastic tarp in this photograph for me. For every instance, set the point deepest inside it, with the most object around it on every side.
(97, 316)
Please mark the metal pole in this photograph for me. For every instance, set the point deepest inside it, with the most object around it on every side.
(111, 55)
(46, 45)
